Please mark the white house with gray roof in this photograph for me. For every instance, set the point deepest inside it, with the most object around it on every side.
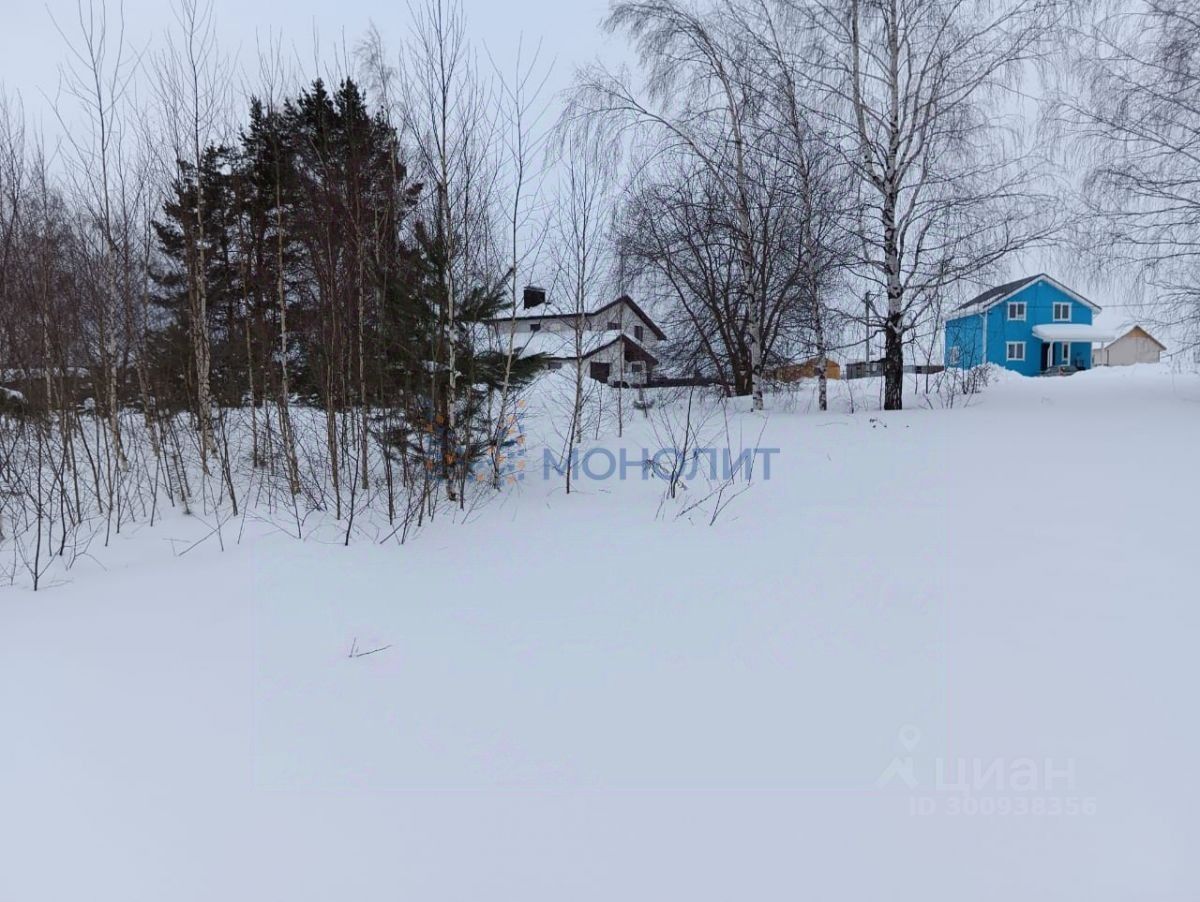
(616, 342)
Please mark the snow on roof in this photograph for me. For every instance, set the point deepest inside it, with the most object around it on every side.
(552, 344)
(14, 374)
(562, 345)
(1071, 332)
(623, 299)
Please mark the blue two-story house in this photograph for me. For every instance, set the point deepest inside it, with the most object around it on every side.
(1030, 326)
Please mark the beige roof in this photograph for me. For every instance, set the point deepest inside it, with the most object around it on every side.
(1143, 332)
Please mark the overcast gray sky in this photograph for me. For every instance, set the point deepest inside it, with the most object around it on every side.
(31, 51)
(31, 48)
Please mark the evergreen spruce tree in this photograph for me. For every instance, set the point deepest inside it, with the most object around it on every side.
(418, 347)
(176, 274)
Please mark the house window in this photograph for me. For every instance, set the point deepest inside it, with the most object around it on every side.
(1016, 350)
(1016, 310)
(613, 325)
(955, 355)
(535, 327)
(554, 365)
(1066, 352)
(639, 333)
(635, 367)
(1062, 311)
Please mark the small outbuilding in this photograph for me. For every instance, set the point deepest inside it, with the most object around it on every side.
(1135, 346)
(805, 369)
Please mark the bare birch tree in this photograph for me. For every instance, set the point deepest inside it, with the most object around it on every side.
(522, 114)
(97, 77)
(922, 96)
(193, 82)
(697, 96)
(1129, 96)
(582, 220)
(450, 122)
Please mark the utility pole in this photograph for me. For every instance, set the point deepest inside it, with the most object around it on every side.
(621, 344)
(867, 331)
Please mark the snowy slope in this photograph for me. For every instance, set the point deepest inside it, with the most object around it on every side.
(613, 702)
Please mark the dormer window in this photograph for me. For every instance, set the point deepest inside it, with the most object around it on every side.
(1062, 311)
(1016, 310)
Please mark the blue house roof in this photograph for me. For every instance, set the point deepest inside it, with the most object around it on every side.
(993, 296)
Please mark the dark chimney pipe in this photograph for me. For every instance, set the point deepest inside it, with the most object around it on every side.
(534, 297)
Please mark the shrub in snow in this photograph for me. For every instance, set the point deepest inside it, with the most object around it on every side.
(12, 401)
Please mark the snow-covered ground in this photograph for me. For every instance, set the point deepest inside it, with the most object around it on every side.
(937, 655)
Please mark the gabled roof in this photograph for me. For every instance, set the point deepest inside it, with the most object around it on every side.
(626, 299)
(993, 296)
(623, 299)
(1161, 346)
(625, 339)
